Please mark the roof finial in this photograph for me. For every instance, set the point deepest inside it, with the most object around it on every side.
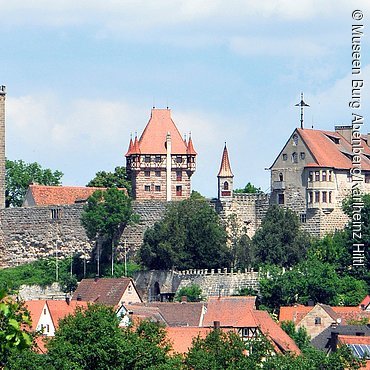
(153, 102)
(302, 104)
(135, 133)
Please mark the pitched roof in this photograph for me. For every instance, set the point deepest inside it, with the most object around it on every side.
(60, 309)
(130, 147)
(230, 311)
(153, 138)
(181, 338)
(225, 168)
(180, 314)
(354, 339)
(294, 313)
(58, 195)
(331, 149)
(190, 150)
(365, 302)
(35, 309)
(143, 312)
(104, 290)
(275, 333)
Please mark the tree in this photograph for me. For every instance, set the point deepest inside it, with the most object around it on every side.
(13, 318)
(104, 218)
(300, 335)
(193, 293)
(279, 240)
(249, 189)
(19, 175)
(190, 235)
(116, 179)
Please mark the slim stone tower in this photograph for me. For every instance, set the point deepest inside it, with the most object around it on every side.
(225, 178)
(2, 146)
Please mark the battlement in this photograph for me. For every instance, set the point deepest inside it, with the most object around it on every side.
(2, 90)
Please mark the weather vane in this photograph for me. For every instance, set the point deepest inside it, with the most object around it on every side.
(302, 104)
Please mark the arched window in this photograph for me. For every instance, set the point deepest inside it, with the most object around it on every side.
(226, 185)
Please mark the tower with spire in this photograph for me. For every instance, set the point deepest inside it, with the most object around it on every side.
(225, 178)
(160, 163)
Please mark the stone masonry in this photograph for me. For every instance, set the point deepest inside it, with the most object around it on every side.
(2, 147)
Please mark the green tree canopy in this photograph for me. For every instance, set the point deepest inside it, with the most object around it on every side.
(190, 235)
(116, 179)
(19, 175)
(105, 216)
(249, 189)
(279, 240)
(13, 337)
(193, 293)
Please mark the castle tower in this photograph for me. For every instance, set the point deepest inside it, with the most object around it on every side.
(225, 178)
(160, 163)
(2, 146)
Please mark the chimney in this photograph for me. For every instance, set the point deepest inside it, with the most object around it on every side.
(68, 300)
(345, 131)
(334, 341)
(2, 145)
(184, 299)
(216, 325)
(79, 298)
(168, 167)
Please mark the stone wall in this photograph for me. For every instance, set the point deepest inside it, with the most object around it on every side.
(36, 292)
(213, 283)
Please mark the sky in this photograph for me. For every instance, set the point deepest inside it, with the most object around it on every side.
(82, 76)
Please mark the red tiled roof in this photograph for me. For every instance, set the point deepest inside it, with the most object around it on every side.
(327, 153)
(294, 313)
(190, 150)
(153, 139)
(35, 309)
(135, 148)
(230, 311)
(365, 302)
(59, 195)
(354, 339)
(60, 309)
(104, 290)
(275, 333)
(143, 312)
(350, 313)
(181, 338)
(130, 147)
(225, 168)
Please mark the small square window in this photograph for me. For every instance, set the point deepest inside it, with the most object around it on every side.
(303, 218)
(147, 187)
(295, 157)
(179, 190)
(158, 173)
(157, 188)
(317, 320)
(303, 155)
(285, 157)
(147, 173)
(147, 159)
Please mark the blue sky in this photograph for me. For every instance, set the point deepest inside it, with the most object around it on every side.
(82, 75)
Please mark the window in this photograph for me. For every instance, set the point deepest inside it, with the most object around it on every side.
(303, 155)
(226, 185)
(330, 176)
(330, 195)
(310, 176)
(367, 178)
(157, 158)
(317, 320)
(44, 311)
(349, 177)
(323, 175)
(310, 197)
(317, 196)
(303, 218)
(317, 175)
(147, 187)
(47, 328)
(295, 157)
(179, 190)
(324, 197)
(157, 188)
(281, 198)
(147, 173)
(295, 139)
(281, 177)
(285, 157)
(158, 173)
(55, 213)
(147, 158)
(179, 159)
(178, 175)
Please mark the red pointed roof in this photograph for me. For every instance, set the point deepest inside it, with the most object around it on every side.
(152, 140)
(130, 147)
(225, 168)
(191, 150)
(135, 148)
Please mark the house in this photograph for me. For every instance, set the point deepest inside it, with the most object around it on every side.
(108, 291)
(239, 313)
(320, 317)
(365, 303)
(45, 314)
(313, 174)
(161, 162)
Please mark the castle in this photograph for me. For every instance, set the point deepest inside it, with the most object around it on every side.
(311, 175)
